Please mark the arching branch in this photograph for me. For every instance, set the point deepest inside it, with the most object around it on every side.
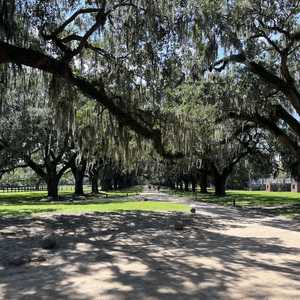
(40, 61)
(270, 125)
(287, 88)
(81, 11)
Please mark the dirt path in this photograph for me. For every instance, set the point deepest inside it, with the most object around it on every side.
(221, 254)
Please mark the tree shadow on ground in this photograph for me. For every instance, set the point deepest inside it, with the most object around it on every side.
(32, 199)
(251, 204)
(246, 199)
(242, 198)
(132, 256)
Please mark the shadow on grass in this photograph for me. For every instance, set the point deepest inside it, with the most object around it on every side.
(36, 197)
(25, 212)
(20, 197)
(22, 209)
(259, 202)
(275, 202)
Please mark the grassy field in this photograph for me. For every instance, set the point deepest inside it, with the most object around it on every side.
(29, 203)
(287, 203)
(81, 207)
(245, 198)
(23, 197)
(255, 198)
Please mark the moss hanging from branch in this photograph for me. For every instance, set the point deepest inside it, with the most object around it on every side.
(63, 101)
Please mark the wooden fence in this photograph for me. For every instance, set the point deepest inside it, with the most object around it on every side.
(32, 188)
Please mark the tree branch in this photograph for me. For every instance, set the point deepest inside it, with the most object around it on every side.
(287, 88)
(269, 125)
(37, 60)
(61, 28)
(38, 169)
(100, 21)
(66, 166)
(284, 115)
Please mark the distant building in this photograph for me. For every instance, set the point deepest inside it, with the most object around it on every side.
(275, 184)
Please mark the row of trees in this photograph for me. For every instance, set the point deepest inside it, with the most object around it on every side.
(40, 133)
(213, 144)
(209, 81)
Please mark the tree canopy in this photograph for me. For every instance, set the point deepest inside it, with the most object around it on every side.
(199, 80)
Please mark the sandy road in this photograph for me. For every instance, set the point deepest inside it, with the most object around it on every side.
(221, 254)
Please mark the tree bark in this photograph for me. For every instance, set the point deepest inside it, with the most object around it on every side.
(172, 185)
(116, 183)
(194, 185)
(220, 184)
(79, 184)
(106, 185)
(186, 186)
(52, 185)
(203, 182)
(180, 186)
(94, 182)
(78, 173)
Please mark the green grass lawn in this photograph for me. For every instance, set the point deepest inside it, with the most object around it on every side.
(22, 197)
(245, 198)
(251, 199)
(84, 207)
(28, 203)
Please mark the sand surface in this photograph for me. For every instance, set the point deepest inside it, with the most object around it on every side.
(222, 253)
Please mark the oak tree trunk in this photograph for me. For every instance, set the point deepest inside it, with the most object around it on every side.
(186, 186)
(94, 182)
(194, 185)
(78, 173)
(52, 185)
(203, 183)
(220, 184)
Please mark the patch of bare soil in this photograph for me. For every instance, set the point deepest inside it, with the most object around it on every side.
(218, 254)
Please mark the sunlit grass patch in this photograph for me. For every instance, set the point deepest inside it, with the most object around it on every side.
(288, 203)
(86, 207)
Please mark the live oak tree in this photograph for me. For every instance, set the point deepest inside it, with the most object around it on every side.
(104, 49)
(29, 133)
(202, 134)
(78, 169)
(261, 38)
(109, 150)
(125, 54)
